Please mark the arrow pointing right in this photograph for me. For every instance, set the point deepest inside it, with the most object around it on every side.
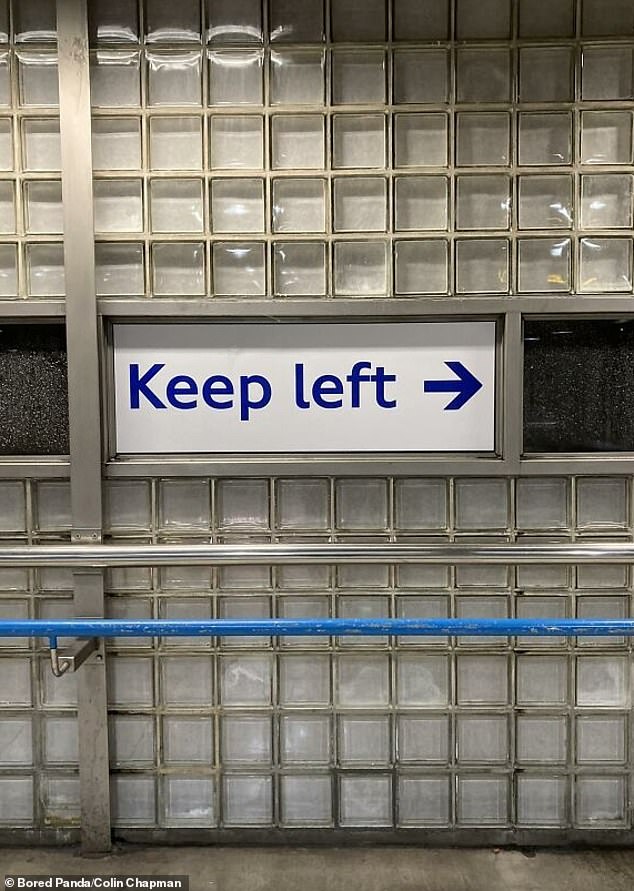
(465, 385)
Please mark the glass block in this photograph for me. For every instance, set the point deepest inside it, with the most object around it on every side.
(237, 205)
(421, 267)
(131, 681)
(41, 142)
(303, 504)
(482, 504)
(234, 21)
(606, 137)
(289, 23)
(606, 264)
(483, 202)
(37, 72)
(188, 801)
(297, 141)
(371, 606)
(546, 18)
(485, 19)
(358, 78)
(176, 205)
(245, 608)
(297, 77)
(358, 140)
(113, 21)
(601, 607)
(306, 800)
(420, 503)
(542, 680)
(361, 504)
(115, 79)
(363, 680)
(423, 606)
(600, 801)
(174, 78)
(57, 692)
(483, 75)
(246, 739)
(6, 144)
(247, 800)
(176, 143)
(422, 680)
(131, 739)
(184, 504)
(602, 503)
(602, 576)
(167, 23)
(16, 742)
(364, 739)
(178, 268)
(60, 740)
(133, 800)
(423, 739)
(545, 138)
(360, 268)
(482, 266)
(118, 205)
(235, 77)
(44, 207)
(542, 503)
(545, 202)
(358, 20)
(606, 201)
(543, 265)
(602, 681)
(482, 138)
(472, 607)
(541, 739)
(304, 607)
(420, 76)
(244, 577)
(176, 680)
(239, 269)
(237, 142)
(482, 738)
(187, 740)
(245, 680)
(546, 74)
(9, 271)
(243, 504)
(299, 205)
(305, 680)
(184, 608)
(305, 738)
(420, 140)
(53, 506)
(299, 269)
(365, 800)
(35, 21)
(119, 269)
(483, 680)
(128, 608)
(601, 739)
(364, 575)
(607, 17)
(360, 204)
(16, 801)
(483, 800)
(7, 207)
(537, 607)
(423, 801)
(541, 801)
(606, 72)
(421, 202)
(12, 507)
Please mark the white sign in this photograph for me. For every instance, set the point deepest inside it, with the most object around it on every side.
(371, 387)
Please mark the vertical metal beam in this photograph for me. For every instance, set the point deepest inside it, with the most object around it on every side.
(84, 403)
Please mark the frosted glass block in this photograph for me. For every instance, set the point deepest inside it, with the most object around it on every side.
(606, 72)
(133, 579)
(365, 800)
(35, 21)
(306, 576)
(243, 504)
(37, 72)
(484, 19)
(12, 610)
(299, 205)
(57, 692)
(602, 503)
(360, 268)
(482, 138)
(543, 265)
(234, 21)
(246, 739)
(602, 681)
(358, 140)
(606, 264)
(188, 801)
(7, 207)
(363, 607)
(482, 738)
(601, 607)
(236, 142)
(175, 143)
(297, 141)
(546, 74)
(423, 606)
(602, 576)
(606, 137)
(184, 503)
(60, 740)
(53, 506)
(305, 738)
(248, 577)
(304, 607)
(131, 739)
(239, 269)
(361, 504)
(423, 801)
(606, 201)
(423, 20)
(358, 20)
(358, 78)
(542, 680)
(187, 740)
(360, 204)
(482, 800)
(113, 20)
(16, 801)
(245, 680)
(8, 271)
(297, 78)
(119, 269)
(545, 202)
(364, 739)
(600, 801)
(166, 22)
(55, 579)
(541, 801)
(601, 739)
(174, 78)
(483, 680)
(305, 680)
(237, 205)
(483, 202)
(178, 268)
(291, 23)
(421, 267)
(176, 205)
(541, 738)
(247, 801)
(306, 800)
(545, 138)
(116, 144)
(420, 503)
(483, 75)
(472, 607)
(542, 503)
(44, 207)
(423, 739)
(42, 150)
(118, 205)
(130, 681)
(12, 507)
(482, 266)
(16, 742)
(176, 680)
(235, 78)
(363, 680)
(183, 577)
(422, 680)
(420, 76)
(364, 575)
(133, 800)
(6, 144)
(607, 17)
(244, 608)
(299, 269)
(115, 79)
(128, 608)
(546, 18)
(420, 140)
(482, 504)
(186, 608)
(536, 607)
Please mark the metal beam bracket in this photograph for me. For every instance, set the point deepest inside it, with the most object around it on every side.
(63, 661)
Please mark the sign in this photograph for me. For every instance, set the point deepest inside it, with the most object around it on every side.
(370, 387)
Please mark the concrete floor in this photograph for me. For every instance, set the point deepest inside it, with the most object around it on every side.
(345, 869)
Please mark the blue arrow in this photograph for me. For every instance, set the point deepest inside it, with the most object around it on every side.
(466, 386)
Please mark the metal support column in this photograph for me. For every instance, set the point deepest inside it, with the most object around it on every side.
(84, 404)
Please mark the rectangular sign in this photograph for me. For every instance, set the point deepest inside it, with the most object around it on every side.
(368, 387)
